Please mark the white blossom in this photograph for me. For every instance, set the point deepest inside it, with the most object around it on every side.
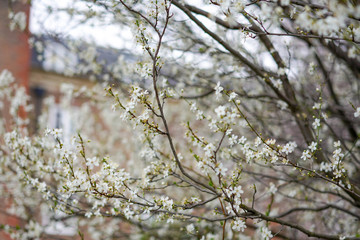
(232, 96)
(218, 89)
(209, 149)
(220, 111)
(357, 112)
(190, 228)
(6, 78)
(289, 148)
(337, 144)
(239, 225)
(313, 146)
(272, 188)
(306, 155)
(316, 123)
(18, 20)
(266, 233)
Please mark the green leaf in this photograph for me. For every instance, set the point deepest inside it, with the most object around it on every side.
(211, 184)
(81, 235)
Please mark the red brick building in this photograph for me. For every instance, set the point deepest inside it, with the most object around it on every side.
(15, 51)
(15, 57)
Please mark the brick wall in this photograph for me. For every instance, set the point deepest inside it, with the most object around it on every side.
(14, 56)
(14, 46)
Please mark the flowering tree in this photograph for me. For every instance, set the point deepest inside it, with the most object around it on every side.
(241, 119)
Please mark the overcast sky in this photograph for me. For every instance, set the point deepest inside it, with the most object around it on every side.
(60, 23)
(103, 33)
